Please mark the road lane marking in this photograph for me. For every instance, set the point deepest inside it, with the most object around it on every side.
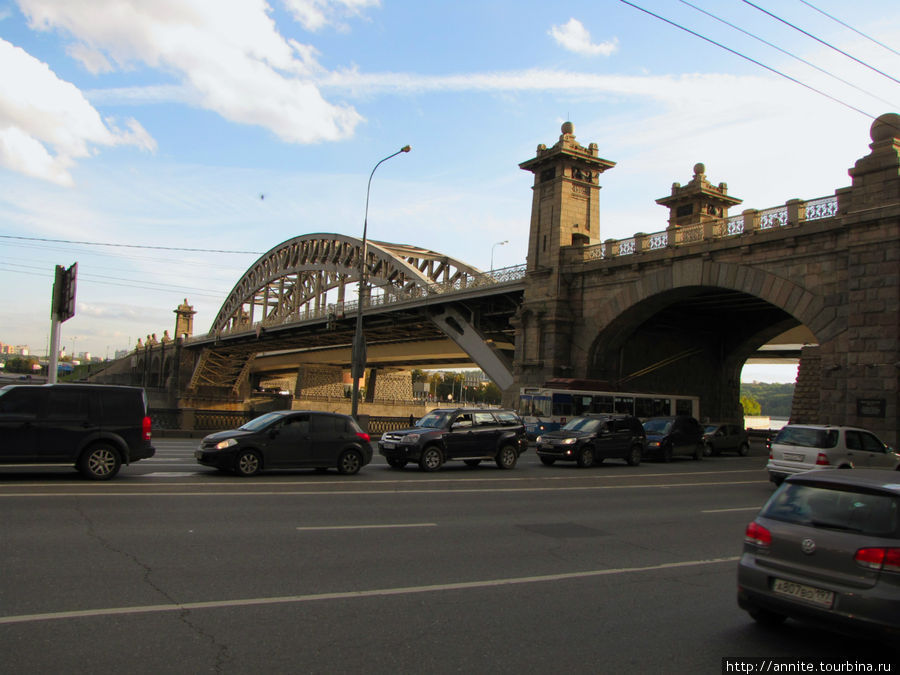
(309, 493)
(351, 595)
(363, 527)
(737, 508)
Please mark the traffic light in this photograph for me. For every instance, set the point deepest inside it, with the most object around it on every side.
(64, 292)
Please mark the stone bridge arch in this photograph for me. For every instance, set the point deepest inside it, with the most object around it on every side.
(689, 327)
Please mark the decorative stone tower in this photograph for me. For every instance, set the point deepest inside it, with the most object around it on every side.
(564, 208)
(184, 321)
(564, 213)
(697, 202)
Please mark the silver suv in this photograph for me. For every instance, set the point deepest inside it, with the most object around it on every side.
(802, 447)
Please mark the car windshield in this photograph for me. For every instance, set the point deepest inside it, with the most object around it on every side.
(808, 437)
(846, 508)
(261, 422)
(436, 419)
(583, 424)
(657, 426)
(710, 428)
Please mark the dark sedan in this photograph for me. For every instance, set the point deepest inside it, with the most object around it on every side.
(290, 439)
(590, 439)
(826, 548)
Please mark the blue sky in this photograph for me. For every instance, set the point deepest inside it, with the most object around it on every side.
(161, 122)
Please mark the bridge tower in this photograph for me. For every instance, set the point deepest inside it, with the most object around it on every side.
(698, 202)
(564, 212)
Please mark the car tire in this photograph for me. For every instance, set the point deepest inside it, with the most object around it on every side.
(396, 463)
(699, 451)
(101, 461)
(432, 458)
(634, 456)
(765, 617)
(744, 450)
(585, 457)
(548, 461)
(350, 462)
(247, 463)
(472, 462)
(507, 457)
(778, 480)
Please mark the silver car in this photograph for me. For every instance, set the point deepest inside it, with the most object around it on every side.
(803, 447)
(826, 548)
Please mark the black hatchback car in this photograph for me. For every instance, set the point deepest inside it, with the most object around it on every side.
(590, 439)
(668, 436)
(288, 439)
(93, 427)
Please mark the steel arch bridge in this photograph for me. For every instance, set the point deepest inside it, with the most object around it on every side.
(302, 283)
(302, 276)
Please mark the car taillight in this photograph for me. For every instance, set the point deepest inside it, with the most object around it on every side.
(364, 436)
(757, 535)
(146, 426)
(822, 459)
(886, 559)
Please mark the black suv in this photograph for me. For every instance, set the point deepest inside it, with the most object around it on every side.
(590, 439)
(94, 427)
(288, 439)
(467, 434)
(667, 436)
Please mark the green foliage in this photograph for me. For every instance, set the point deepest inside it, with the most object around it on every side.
(774, 399)
(21, 364)
(751, 405)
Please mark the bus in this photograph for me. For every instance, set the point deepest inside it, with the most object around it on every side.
(548, 408)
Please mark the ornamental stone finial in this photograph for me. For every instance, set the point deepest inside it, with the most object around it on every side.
(885, 128)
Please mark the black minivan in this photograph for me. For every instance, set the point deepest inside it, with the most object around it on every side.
(95, 427)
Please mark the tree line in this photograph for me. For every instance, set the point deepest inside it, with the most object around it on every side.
(769, 399)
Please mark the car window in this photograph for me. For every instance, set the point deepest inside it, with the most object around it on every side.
(870, 443)
(326, 424)
(484, 419)
(434, 420)
(583, 424)
(21, 401)
(659, 426)
(842, 509)
(463, 420)
(121, 406)
(852, 440)
(808, 437)
(261, 422)
(507, 419)
(66, 404)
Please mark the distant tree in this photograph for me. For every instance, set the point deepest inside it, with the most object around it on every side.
(751, 406)
(19, 364)
(774, 399)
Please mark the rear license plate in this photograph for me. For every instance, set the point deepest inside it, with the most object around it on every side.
(793, 456)
(389, 446)
(811, 594)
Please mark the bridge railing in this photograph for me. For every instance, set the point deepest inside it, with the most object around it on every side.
(792, 213)
(383, 295)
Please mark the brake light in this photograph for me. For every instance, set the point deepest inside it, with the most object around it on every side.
(146, 426)
(822, 459)
(364, 436)
(883, 559)
(757, 535)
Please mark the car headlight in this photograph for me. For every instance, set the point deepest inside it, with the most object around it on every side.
(539, 439)
(410, 439)
(567, 441)
(221, 445)
(653, 444)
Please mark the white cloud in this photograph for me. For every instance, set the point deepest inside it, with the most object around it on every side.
(46, 123)
(574, 37)
(316, 14)
(229, 57)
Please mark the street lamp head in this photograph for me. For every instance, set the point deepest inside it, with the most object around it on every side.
(405, 148)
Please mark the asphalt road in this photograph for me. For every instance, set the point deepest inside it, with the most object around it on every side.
(176, 568)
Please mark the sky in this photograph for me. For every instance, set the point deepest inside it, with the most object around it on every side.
(165, 145)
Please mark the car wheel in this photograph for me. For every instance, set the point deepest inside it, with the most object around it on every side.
(350, 462)
(431, 459)
(247, 463)
(507, 457)
(548, 461)
(634, 457)
(699, 451)
(766, 617)
(100, 462)
(744, 450)
(778, 480)
(707, 449)
(472, 462)
(396, 463)
(585, 457)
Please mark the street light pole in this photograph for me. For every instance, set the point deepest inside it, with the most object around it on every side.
(499, 243)
(358, 357)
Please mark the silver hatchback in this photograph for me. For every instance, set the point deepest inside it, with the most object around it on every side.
(826, 548)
